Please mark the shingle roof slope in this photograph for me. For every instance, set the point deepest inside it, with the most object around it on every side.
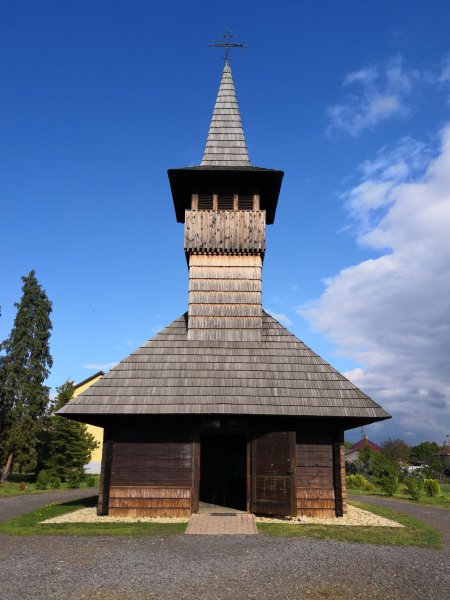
(170, 374)
(225, 146)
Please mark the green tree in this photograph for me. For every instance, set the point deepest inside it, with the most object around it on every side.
(396, 451)
(69, 444)
(365, 459)
(424, 452)
(25, 364)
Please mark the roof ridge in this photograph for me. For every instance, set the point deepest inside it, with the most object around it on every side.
(225, 145)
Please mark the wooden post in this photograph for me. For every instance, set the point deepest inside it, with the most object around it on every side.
(256, 202)
(235, 202)
(195, 494)
(194, 202)
(248, 472)
(215, 202)
(337, 474)
(105, 475)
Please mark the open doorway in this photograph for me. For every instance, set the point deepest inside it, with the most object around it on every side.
(223, 470)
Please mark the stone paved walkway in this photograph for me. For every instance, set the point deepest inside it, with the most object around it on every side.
(221, 521)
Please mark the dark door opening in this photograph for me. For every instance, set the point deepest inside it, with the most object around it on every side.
(223, 470)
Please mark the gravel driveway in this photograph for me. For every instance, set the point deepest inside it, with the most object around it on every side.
(216, 568)
(213, 568)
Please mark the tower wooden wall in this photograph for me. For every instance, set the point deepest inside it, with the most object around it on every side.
(225, 250)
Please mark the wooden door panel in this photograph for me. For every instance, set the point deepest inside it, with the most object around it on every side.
(273, 472)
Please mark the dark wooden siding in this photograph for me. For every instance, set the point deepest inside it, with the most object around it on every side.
(152, 463)
(151, 471)
(315, 489)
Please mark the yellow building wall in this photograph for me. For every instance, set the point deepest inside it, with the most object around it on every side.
(97, 432)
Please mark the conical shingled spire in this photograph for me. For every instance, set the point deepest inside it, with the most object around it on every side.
(225, 146)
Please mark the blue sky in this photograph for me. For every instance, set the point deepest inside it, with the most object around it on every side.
(350, 99)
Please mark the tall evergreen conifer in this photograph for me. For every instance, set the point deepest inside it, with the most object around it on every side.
(69, 443)
(25, 364)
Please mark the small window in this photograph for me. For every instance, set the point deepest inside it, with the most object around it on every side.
(245, 202)
(205, 202)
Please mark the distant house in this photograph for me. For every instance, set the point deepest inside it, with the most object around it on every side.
(95, 463)
(352, 453)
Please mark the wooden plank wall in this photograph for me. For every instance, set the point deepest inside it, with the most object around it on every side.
(151, 478)
(315, 491)
(225, 231)
(225, 298)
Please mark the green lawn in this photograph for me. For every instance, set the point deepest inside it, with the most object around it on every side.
(443, 500)
(29, 524)
(12, 487)
(415, 532)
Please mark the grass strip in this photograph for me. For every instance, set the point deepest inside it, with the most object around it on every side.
(441, 501)
(415, 533)
(11, 488)
(30, 523)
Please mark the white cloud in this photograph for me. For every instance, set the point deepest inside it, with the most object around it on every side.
(444, 75)
(380, 93)
(281, 317)
(392, 314)
(100, 367)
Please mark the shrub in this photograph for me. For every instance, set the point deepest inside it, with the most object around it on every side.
(55, 482)
(91, 481)
(389, 483)
(74, 479)
(359, 482)
(431, 487)
(22, 486)
(43, 480)
(414, 485)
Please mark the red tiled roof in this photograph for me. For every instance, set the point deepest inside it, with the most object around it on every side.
(360, 445)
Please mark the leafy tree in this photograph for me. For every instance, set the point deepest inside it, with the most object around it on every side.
(396, 451)
(25, 364)
(424, 452)
(69, 444)
(385, 473)
(365, 458)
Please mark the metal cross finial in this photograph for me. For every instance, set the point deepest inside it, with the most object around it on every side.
(227, 43)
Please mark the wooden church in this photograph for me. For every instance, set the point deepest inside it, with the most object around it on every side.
(224, 405)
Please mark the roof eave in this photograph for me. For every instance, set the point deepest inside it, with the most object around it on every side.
(188, 180)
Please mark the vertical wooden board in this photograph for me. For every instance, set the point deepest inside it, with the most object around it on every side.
(195, 496)
(337, 474)
(273, 482)
(249, 474)
(105, 475)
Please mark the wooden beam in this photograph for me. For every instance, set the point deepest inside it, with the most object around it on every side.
(105, 475)
(337, 474)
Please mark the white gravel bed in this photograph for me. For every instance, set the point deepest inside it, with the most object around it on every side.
(354, 517)
(89, 515)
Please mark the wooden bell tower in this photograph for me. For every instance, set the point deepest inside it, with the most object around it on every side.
(225, 204)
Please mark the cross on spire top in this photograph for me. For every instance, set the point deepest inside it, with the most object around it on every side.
(227, 43)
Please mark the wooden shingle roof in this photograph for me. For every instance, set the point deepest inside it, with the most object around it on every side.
(170, 374)
(225, 146)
